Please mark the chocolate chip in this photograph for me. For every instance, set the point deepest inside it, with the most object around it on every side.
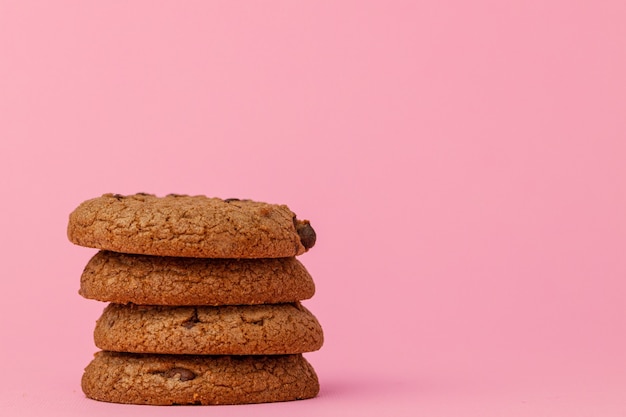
(118, 196)
(191, 321)
(184, 374)
(229, 200)
(306, 233)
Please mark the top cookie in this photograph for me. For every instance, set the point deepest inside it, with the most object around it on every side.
(190, 226)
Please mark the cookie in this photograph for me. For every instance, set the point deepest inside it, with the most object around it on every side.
(154, 280)
(202, 380)
(266, 329)
(191, 226)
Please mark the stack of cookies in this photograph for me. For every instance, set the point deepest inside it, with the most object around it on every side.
(204, 300)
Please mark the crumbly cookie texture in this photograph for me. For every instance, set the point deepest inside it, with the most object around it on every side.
(189, 226)
(267, 329)
(155, 280)
(185, 379)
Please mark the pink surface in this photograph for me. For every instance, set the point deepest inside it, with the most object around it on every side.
(462, 162)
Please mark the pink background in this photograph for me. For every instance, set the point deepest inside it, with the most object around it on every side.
(463, 163)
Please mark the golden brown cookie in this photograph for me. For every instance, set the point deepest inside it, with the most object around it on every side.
(155, 280)
(266, 329)
(186, 379)
(191, 226)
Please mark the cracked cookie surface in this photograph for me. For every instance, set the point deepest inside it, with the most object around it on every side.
(154, 280)
(202, 330)
(189, 226)
(187, 379)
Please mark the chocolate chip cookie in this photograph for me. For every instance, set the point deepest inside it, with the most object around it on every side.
(189, 226)
(186, 379)
(154, 280)
(266, 329)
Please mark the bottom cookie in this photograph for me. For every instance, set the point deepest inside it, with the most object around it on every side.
(194, 379)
